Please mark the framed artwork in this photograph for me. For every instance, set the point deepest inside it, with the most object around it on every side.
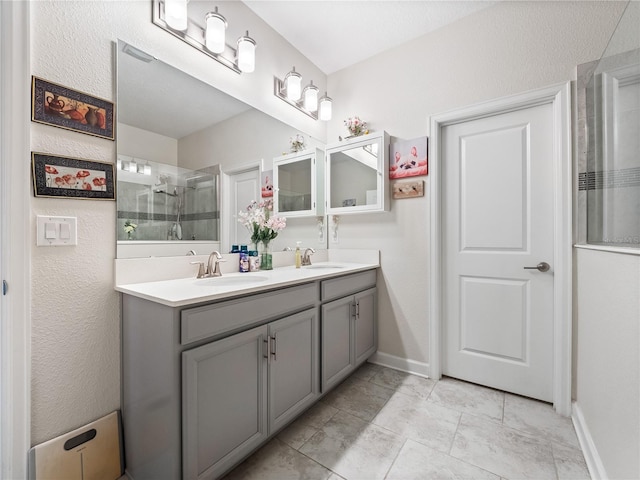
(55, 176)
(267, 184)
(59, 106)
(408, 158)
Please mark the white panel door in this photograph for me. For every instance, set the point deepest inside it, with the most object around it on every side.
(244, 188)
(498, 220)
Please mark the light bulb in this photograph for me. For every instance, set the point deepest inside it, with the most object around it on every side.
(311, 97)
(293, 85)
(133, 166)
(246, 54)
(214, 38)
(175, 14)
(325, 108)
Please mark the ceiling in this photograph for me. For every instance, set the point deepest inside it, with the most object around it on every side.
(349, 31)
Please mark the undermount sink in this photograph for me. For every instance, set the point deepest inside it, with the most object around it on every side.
(324, 265)
(230, 281)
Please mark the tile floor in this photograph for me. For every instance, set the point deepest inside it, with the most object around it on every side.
(385, 424)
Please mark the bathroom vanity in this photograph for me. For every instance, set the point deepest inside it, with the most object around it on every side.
(212, 368)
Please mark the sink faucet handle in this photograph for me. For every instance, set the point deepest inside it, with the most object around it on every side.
(201, 272)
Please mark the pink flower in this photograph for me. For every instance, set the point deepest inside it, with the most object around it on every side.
(50, 169)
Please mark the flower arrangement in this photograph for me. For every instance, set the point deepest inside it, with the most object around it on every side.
(297, 143)
(356, 126)
(261, 225)
(129, 228)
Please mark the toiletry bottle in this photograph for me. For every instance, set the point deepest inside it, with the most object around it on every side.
(298, 256)
(243, 258)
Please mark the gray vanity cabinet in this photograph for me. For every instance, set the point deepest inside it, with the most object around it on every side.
(224, 395)
(239, 390)
(348, 324)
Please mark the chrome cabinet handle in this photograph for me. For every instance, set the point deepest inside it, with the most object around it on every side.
(541, 267)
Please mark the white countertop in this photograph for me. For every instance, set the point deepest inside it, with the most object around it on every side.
(186, 291)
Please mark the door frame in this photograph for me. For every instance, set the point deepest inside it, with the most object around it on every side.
(15, 228)
(225, 204)
(559, 96)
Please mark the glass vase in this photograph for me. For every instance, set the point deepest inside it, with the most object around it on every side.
(266, 259)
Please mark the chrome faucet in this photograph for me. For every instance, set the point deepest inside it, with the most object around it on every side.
(306, 259)
(213, 265)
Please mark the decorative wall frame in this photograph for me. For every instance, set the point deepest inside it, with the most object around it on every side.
(408, 158)
(60, 106)
(66, 177)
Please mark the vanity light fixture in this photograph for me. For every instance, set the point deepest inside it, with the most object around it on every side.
(176, 14)
(325, 110)
(210, 39)
(290, 90)
(215, 31)
(246, 53)
(310, 94)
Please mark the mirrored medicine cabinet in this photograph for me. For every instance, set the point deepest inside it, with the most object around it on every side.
(357, 175)
(298, 180)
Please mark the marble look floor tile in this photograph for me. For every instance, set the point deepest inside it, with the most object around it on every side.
(539, 419)
(468, 398)
(502, 450)
(366, 371)
(419, 462)
(353, 448)
(335, 476)
(277, 461)
(318, 415)
(360, 398)
(296, 434)
(307, 425)
(404, 382)
(570, 463)
(430, 424)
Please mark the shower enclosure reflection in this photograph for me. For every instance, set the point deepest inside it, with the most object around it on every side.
(159, 202)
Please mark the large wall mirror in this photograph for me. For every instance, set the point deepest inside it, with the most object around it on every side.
(183, 147)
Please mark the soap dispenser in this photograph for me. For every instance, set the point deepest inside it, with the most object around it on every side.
(298, 255)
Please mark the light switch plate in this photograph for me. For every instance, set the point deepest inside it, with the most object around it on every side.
(56, 231)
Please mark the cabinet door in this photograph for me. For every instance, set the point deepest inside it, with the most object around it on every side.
(357, 178)
(366, 331)
(338, 359)
(293, 367)
(295, 184)
(224, 397)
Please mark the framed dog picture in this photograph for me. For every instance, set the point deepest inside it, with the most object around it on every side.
(55, 176)
(60, 106)
(408, 158)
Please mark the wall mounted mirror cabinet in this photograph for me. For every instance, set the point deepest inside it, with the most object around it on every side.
(298, 180)
(357, 175)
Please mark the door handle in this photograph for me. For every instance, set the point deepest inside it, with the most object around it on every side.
(541, 267)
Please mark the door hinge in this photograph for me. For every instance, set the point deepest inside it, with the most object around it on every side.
(5, 287)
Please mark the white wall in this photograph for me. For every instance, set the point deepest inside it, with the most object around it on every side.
(75, 311)
(608, 357)
(135, 142)
(509, 48)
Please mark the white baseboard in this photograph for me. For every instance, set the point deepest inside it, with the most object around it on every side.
(399, 363)
(589, 450)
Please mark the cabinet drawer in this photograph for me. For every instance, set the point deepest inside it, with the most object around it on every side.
(339, 287)
(227, 316)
